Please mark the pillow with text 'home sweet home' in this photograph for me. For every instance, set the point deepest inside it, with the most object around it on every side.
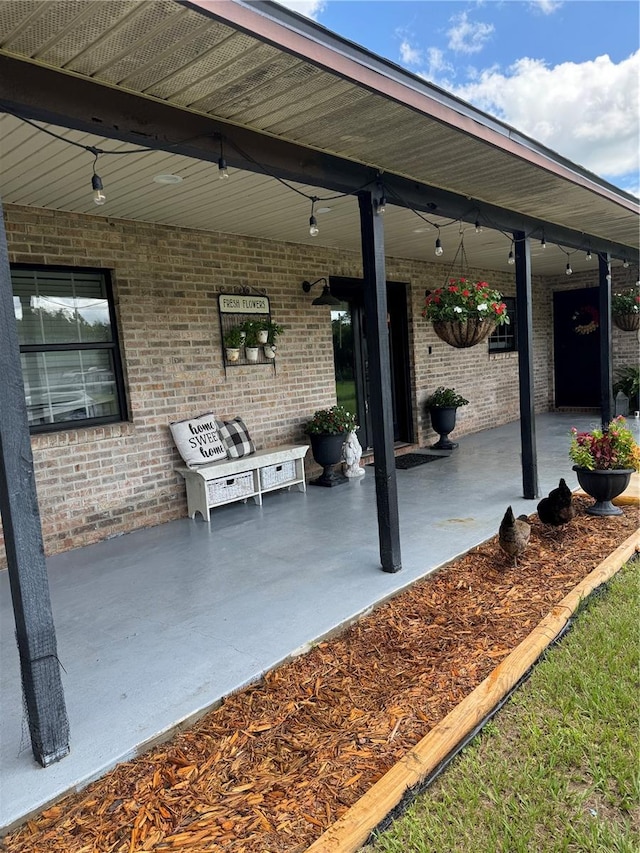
(198, 441)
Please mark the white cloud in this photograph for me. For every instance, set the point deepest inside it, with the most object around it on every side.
(437, 64)
(466, 36)
(588, 112)
(310, 8)
(547, 7)
(409, 55)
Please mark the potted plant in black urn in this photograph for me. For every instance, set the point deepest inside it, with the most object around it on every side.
(442, 406)
(604, 461)
(328, 430)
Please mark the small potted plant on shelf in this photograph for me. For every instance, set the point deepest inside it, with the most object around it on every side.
(464, 312)
(273, 332)
(442, 406)
(604, 461)
(328, 430)
(625, 309)
(251, 349)
(233, 341)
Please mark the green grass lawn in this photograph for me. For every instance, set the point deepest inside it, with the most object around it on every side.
(557, 769)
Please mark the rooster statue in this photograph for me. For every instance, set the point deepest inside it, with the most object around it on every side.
(557, 509)
(513, 535)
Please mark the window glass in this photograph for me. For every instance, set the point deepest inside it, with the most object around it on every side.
(70, 361)
(504, 338)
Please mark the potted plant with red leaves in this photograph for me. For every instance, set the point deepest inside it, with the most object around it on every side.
(604, 461)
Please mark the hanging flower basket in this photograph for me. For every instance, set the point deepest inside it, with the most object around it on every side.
(464, 312)
(463, 333)
(625, 309)
(627, 322)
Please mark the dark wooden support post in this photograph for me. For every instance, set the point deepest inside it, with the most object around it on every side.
(606, 367)
(375, 306)
(525, 365)
(35, 632)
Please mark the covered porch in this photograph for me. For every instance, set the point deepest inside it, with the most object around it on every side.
(157, 626)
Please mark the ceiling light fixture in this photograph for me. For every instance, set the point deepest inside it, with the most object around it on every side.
(167, 179)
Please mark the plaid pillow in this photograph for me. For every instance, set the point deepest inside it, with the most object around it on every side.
(236, 438)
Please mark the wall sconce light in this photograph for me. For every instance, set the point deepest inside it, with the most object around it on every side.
(325, 297)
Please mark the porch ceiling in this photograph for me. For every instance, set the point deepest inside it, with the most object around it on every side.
(263, 69)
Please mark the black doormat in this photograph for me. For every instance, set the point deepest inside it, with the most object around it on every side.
(412, 460)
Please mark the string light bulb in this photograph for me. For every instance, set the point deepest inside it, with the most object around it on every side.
(478, 227)
(543, 243)
(511, 258)
(625, 264)
(382, 205)
(99, 196)
(439, 251)
(589, 256)
(568, 269)
(223, 171)
(313, 223)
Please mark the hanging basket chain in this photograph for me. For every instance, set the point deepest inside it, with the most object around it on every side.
(460, 253)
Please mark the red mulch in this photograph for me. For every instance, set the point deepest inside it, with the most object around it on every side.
(277, 763)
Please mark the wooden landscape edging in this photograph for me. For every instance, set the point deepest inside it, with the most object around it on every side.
(350, 831)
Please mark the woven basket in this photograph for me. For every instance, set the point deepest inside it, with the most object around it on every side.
(228, 488)
(273, 475)
(466, 333)
(627, 322)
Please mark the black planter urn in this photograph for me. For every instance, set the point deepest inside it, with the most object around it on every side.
(327, 451)
(603, 485)
(443, 422)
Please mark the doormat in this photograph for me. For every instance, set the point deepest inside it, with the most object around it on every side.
(412, 460)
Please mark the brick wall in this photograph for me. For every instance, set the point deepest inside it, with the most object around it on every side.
(103, 481)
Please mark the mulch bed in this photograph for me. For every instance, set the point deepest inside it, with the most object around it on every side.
(277, 763)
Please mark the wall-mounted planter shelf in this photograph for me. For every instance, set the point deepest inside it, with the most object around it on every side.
(236, 309)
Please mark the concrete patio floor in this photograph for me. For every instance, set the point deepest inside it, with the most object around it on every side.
(156, 626)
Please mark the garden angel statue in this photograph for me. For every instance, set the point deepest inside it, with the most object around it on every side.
(352, 452)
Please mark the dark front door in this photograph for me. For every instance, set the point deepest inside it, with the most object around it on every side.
(576, 339)
(351, 356)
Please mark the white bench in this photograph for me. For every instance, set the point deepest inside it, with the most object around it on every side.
(240, 479)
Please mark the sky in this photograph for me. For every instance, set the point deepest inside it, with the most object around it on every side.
(564, 72)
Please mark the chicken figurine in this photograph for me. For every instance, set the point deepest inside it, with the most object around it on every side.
(513, 535)
(557, 508)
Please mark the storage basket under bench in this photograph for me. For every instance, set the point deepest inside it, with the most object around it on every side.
(250, 476)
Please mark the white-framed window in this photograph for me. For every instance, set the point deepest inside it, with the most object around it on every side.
(68, 347)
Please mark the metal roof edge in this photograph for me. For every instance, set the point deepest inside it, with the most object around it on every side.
(326, 39)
